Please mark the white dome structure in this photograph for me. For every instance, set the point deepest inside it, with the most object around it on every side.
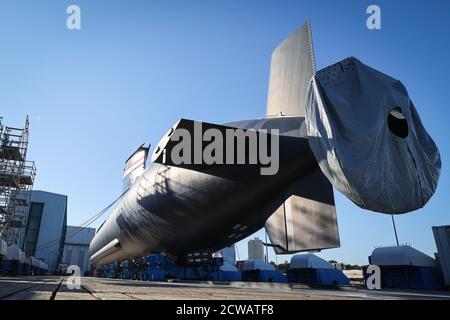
(35, 262)
(401, 256)
(14, 253)
(22, 257)
(253, 264)
(309, 261)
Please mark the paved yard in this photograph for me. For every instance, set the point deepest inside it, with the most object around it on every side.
(45, 288)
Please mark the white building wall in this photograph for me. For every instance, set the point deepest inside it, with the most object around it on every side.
(77, 255)
(76, 247)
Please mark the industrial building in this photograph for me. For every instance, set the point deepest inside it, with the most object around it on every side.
(255, 249)
(76, 247)
(46, 227)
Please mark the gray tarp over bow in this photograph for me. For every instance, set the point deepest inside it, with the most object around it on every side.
(368, 138)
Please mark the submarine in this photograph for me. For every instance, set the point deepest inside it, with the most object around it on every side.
(347, 126)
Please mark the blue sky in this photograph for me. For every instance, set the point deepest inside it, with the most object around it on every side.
(136, 67)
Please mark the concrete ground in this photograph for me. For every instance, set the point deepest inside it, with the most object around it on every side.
(46, 288)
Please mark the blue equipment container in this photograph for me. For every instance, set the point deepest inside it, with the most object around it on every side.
(126, 272)
(260, 271)
(157, 275)
(410, 277)
(404, 267)
(226, 276)
(12, 268)
(263, 276)
(317, 277)
(312, 270)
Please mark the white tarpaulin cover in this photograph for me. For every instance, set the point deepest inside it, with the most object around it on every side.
(309, 261)
(14, 253)
(401, 256)
(368, 138)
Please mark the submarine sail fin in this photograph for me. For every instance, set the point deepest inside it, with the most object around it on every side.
(292, 67)
(306, 220)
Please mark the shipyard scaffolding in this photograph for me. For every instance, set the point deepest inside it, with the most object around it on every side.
(16, 182)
